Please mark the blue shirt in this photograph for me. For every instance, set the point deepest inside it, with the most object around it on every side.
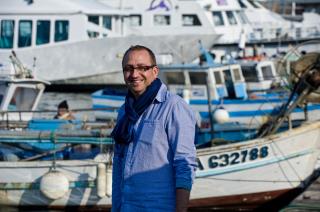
(161, 158)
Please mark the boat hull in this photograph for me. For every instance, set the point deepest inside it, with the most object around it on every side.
(98, 61)
(249, 174)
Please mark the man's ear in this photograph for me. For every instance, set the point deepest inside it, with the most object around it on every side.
(155, 71)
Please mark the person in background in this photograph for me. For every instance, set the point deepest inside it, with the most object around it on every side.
(63, 112)
(154, 158)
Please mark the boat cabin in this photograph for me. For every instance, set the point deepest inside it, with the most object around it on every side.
(38, 23)
(20, 92)
(259, 75)
(194, 81)
(228, 19)
(41, 23)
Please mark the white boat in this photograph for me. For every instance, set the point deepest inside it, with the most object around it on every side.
(250, 174)
(261, 173)
(228, 19)
(19, 91)
(82, 42)
(245, 24)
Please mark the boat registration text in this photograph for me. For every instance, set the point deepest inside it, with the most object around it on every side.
(233, 158)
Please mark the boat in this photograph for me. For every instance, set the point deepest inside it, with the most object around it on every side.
(215, 85)
(82, 42)
(251, 174)
(20, 91)
(247, 27)
(20, 94)
(262, 173)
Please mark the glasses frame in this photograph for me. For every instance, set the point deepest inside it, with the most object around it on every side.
(140, 69)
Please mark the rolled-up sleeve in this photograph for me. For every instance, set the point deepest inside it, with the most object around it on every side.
(181, 135)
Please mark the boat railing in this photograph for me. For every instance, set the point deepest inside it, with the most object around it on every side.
(285, 33)
(15, 118)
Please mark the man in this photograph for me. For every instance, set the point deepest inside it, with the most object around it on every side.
(63, 111)
(154, 156)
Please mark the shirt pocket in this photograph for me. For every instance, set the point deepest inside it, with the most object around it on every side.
(151, 131)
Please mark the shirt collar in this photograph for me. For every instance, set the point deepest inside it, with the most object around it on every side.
(162, 93)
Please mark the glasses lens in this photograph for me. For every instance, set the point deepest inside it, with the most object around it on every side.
(130, 68)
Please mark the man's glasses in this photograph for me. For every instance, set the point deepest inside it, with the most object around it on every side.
(141, 69)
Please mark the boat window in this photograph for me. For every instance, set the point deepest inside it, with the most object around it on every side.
(242, 5)
(25, 33)
(61, 32)
(249, 74)
(6, 34)
(23, 98)
(253, 4)
(298, 32)
(93, 34)
(107, 22)
(190, 20)
(93, 19)
(232, 20)
(198, 78)
(135, 20)
(3, 88)
(217, 77)
(278, 32)
(267, 72)
(217, 18)
(174, 78)
(236, 74)
(229, 83)
(242, 17)
(161, 20)
(43, 32)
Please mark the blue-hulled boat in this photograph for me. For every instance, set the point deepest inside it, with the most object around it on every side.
(215, 85)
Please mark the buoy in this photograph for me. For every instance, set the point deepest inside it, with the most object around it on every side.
(101, 180)
(186, 95)
(54, 185)
(109, 182)
(221, 115)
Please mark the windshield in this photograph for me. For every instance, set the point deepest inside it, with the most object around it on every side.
(23, 98)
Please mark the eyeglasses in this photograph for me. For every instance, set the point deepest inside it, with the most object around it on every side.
(141, 69)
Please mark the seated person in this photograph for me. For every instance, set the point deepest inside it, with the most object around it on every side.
(63, 112)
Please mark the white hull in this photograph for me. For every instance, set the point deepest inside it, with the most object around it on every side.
(102, 57)
(284, 162)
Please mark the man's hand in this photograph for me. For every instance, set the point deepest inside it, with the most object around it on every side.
(182, 199)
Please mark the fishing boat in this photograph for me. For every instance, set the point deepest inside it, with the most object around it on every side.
(215, 85)
(261, 173)
(20, 91)
(82, 42)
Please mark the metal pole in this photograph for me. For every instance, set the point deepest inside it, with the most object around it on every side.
(210, 108)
